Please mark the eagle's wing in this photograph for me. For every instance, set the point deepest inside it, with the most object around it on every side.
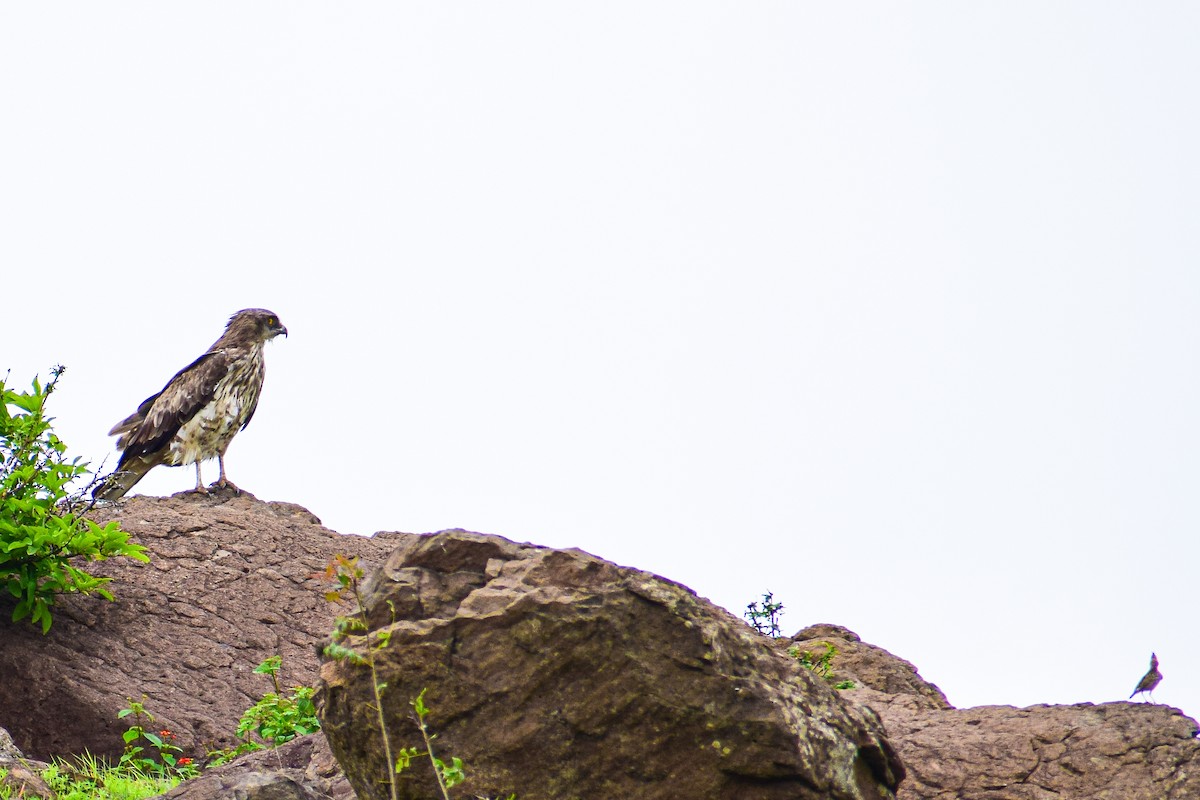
(161, 416)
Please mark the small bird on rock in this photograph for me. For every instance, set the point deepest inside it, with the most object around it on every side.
(1150, 680)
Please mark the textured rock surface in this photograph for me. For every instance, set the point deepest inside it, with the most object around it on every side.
(303, 769)
(231, 582)
(11, 756)
(1115, 751)
(8, 748)
(557, 675)
(882, 679)
(20, 774)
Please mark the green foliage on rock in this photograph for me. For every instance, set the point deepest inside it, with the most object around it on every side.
(43, 534)
(276, 719)
(821, 664)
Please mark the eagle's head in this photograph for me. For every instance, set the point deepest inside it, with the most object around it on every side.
(255, 323)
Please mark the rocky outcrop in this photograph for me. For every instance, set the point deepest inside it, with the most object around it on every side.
(1114, 751)
(546, 669)
(302, 769)
(557, 675)
(231, 582)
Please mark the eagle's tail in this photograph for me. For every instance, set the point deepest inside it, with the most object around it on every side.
(122, 480)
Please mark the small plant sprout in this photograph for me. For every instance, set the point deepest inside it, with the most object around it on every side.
(822, 665)
(348, 576)
(136, 756)
(447, 776)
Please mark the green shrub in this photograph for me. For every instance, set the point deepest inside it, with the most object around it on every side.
(765, 617)
(42, 530)
(276, 719)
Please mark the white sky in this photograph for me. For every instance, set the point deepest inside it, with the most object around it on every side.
(888, 309)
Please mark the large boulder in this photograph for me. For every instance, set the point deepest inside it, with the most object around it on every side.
(231, 582)
(557, 675)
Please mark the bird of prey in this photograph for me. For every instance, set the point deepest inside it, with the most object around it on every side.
(1149, 680)
(200, 410)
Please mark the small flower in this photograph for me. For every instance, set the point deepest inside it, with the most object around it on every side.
(183, 762)
(166, 734)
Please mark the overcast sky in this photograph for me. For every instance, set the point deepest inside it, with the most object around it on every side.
(888, 309)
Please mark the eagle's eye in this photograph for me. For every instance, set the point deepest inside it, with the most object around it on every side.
(272, 321)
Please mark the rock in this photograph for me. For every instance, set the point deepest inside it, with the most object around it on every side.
(557, 675)
(1115, 751)
(552, 673)
(23, 782)
(881, 679)
(8, 749)
(302, 769)
(231, 582)
(11, 756)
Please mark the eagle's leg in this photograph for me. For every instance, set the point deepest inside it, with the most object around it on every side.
(199, 483)
(223, 482)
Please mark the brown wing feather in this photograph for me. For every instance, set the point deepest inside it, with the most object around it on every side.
(160, 417)
(131, 422)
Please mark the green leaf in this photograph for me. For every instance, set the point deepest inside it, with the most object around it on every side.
(405, 757)
(270, 666)
(452, 775)
(418, 703)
